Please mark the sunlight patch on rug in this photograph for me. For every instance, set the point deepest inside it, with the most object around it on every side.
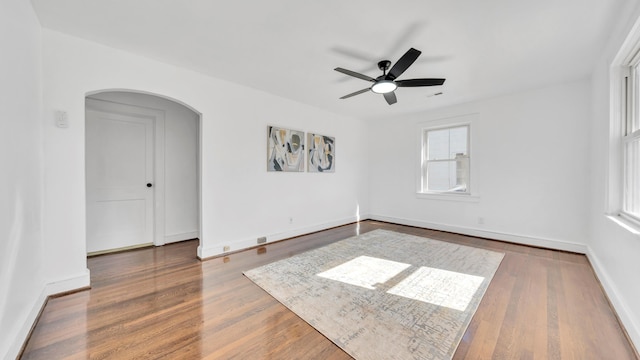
(365, 271)
(439, 287)
(384, 295)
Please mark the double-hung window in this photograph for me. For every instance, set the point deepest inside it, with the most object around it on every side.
(624, 137)
(445, 160)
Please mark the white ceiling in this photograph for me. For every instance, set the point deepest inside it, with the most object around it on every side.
(290, 47)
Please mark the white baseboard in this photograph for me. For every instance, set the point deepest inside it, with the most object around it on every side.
(73, 283)
(617, 301)
(495, 235)
(238, 245)
(181, 237)
(79, 281)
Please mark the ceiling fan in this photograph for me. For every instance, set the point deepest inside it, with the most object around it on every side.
(386, 83)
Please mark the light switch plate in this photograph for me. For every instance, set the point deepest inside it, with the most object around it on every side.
(62, 120)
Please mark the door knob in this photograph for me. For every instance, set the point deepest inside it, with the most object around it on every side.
(149, 184)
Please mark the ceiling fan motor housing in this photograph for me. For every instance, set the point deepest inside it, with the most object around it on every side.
(384, 65)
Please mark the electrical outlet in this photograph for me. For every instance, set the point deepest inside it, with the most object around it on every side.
(262, 240)
(226, 248)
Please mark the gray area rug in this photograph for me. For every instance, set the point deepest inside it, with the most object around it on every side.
(384, 295)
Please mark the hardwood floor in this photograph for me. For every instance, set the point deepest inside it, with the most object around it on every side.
(163, 303)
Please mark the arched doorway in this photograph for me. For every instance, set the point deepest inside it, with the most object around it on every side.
(142, 156)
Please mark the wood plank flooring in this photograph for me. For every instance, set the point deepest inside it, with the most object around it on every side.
(163, 303)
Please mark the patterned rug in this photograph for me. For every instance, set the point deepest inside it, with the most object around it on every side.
(384, 295)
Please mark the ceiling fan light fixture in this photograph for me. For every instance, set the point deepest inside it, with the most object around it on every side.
(384, 86)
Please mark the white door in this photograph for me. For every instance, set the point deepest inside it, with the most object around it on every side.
(119, 170)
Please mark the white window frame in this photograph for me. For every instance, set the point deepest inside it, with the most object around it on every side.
(471, 195)
(625, 107)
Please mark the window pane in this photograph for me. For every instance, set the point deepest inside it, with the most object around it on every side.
(440, 175)
(447, 143)
(633, 121)
(458, 142)
(438, 144)
(632, 178)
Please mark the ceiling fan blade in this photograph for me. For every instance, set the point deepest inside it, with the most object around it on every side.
(403, 63)
(355, 93)
(407, 36)
(419, 82)
(355, 74)
(390, 97)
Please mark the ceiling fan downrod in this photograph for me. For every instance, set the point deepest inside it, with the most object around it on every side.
(384, 66)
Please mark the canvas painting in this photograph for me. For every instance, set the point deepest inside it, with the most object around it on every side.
(322, 152)
(285, 149)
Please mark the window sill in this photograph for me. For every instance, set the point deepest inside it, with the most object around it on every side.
(473, 198)
(627, 224)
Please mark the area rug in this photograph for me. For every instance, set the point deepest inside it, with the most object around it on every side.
(384, 295)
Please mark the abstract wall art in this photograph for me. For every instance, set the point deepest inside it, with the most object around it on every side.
(285, 149)
(322, 153)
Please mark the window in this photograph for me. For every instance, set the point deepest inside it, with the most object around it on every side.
(631, 142)
(624, 136)
(445, 160)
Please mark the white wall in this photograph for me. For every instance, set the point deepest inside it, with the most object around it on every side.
(529, 167)
(614, 251)
(21, 243)
(181, 198)
(240, 200)
(541, 166)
